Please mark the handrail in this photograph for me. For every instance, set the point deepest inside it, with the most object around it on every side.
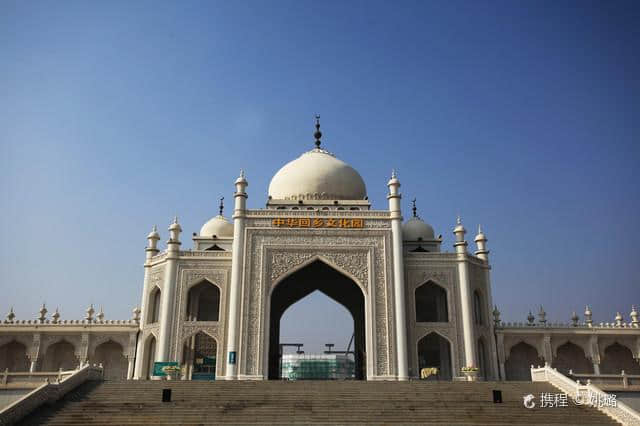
(622, 379)
(47, 393)
(620, 412)
(23, 377)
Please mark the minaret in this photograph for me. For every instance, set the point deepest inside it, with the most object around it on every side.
(466, 305)
(237, 259)
(150, 251)
(168, 292)
(481, 244)
(395, 198)
(482, 253)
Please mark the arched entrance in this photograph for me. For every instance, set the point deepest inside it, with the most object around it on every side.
(521, 357)
(322, 277)
(60, 355)
(150, 356)
(618, 358)
(13, 356)
(110, 355)
(199, 357)
(571, 357)
(435, 351)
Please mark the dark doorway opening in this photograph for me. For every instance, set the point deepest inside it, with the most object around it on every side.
(435, 351)
(337, 286)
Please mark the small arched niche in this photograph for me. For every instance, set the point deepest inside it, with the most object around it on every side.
(478, 308)
(154, 306)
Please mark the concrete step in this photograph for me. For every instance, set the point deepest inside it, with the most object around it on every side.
(329, 402)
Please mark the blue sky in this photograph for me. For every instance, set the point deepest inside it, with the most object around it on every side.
(522, 116)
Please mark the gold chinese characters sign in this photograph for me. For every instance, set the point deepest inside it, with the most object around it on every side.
(305, 222)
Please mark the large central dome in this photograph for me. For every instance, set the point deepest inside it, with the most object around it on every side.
(317, 175)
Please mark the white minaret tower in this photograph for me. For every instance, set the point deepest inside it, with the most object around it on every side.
(394, 198)
(482, 253)
(237, 259)
(481, 244)
(168, 292)
(466, 307)
(150, 251)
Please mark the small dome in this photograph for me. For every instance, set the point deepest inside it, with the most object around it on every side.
(218, 226)
(175, 225)
(480, 236)
(154, 233)
(317, 175)
(415, 229)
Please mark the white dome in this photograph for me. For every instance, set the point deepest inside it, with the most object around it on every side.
(317, 175)
(415, 229)
(218, 226)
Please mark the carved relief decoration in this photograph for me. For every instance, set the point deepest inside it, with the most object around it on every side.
(445, 276)
(272, 253)
(82, 351)
(121, 339)
(602, 343)
(536, 341)
(356, 264)
(47, 340)
(26, 340)
(581, 341)
(156, 278)
(189, 275)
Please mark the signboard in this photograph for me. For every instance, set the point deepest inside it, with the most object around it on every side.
(318, 222)
(158, 366)
(232, 357)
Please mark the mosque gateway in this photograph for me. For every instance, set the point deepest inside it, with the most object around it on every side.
(214, 310)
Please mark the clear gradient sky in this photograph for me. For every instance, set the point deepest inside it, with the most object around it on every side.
(521, 116)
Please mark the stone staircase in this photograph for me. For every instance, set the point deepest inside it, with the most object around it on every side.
(337, 402)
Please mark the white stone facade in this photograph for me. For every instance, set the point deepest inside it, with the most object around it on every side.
(415, 306)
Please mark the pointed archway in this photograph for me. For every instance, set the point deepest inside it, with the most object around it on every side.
(572, 357)
(13, 357)
(521, 357)
(199, 357)
(150, 356)
(434, 351)
(317, 276)
(111, 355)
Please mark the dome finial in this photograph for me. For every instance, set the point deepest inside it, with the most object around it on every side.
(414, 208)
(318, 133)
(221, 205)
